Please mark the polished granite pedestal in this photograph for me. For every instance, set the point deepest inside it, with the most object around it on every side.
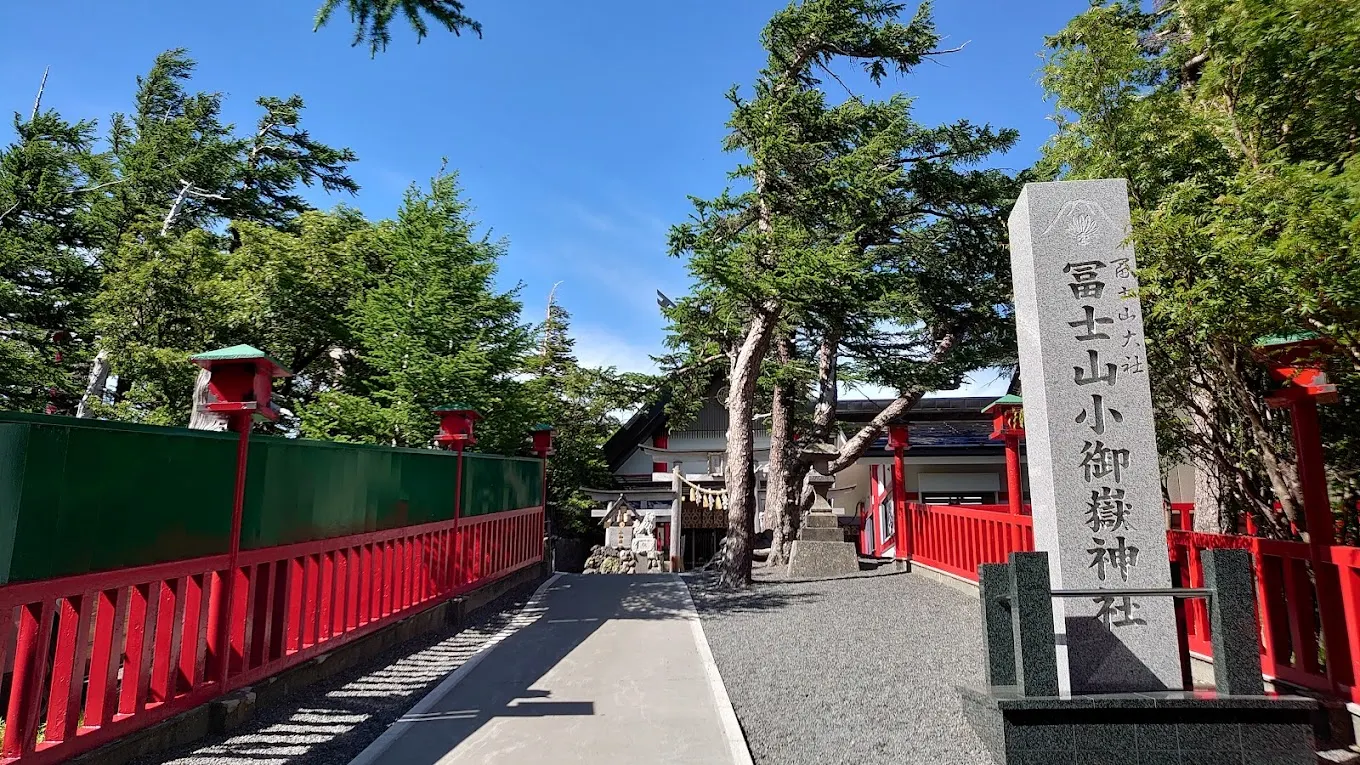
(1157, 728)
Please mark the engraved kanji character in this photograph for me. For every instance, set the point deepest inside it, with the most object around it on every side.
(1108, 510)
(1120, 558)
(1099, 460)
(1129, 336)
(1117, 611)
(1097, 416)
(1080, 377)
(1121, 268)
(1089, 323)
(1126, 313)
(1085, 283)
(1133, 364)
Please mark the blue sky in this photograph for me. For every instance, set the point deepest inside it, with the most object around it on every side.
(578, 128)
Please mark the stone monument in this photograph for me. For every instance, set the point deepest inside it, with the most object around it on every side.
(1094, 477)
(1081, 652)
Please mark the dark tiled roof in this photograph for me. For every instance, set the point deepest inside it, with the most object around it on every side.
(925, 410)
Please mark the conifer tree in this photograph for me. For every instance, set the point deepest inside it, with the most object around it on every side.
(834, 189)
(432, 331)
(46, 178)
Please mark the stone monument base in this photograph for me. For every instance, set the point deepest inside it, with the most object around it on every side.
(1164, 727)
(821, 549)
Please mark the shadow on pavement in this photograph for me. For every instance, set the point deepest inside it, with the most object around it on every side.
(573, 609)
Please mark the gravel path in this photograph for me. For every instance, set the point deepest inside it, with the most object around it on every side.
(867, 668)
(333, 721)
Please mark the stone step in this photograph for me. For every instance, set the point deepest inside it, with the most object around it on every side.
(821, 521)
(821, 534)
(809, 559)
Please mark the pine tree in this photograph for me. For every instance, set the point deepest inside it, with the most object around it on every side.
(46, 280)
(434, 330)
(373, 19)
(835, 190)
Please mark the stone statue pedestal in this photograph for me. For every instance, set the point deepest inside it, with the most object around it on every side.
(821, 550)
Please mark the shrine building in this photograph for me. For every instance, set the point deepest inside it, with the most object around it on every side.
(952, 459)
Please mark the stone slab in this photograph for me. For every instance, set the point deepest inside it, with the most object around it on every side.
(813, 560)
(821, 521)
(821, 534)
(1232, 621)
(1094, 476)
(998, 637)
(1171, 728)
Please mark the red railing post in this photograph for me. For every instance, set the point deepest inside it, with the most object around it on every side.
(898, 441)
(1317, 510)
(224, 606)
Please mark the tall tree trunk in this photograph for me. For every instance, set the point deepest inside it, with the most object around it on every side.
(799, 497)
(94, 388)
(734, 570)
(858, 444)
(783, 455)
(1209, 482)
(199, 416)
(1283, 478)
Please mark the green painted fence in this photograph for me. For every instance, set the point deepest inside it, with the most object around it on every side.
(80, 495)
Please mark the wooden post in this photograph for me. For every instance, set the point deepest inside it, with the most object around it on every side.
(677, 510)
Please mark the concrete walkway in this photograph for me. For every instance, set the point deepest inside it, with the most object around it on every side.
(611, 669)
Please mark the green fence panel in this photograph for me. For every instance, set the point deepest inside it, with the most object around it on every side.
(494, 484)
(300, 491)
(78, 496)
(81, 495)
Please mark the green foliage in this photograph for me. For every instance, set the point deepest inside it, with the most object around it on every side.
(373, 18)
(580, 402)
(1237, 125)
(45, 281)
(179, 235)
(430, 331)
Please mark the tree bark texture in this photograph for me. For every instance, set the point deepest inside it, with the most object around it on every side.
(779, 488)
(94, 388)
(734, 570)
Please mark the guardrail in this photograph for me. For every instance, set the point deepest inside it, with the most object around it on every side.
(1293, 648)
(958, 538)
(138, 645)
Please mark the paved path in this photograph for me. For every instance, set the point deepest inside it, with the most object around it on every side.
(612, 669)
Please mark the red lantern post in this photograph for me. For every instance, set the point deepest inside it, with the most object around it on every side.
(898, 442)
(241, 379)
(1297, 363)
(1008, 425)
(542, 434)
(456, 423)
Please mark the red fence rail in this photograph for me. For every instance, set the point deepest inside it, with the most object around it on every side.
(1293, 646)
(135, 646)
(958, 538)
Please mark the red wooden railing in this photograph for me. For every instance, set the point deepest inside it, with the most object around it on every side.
(1293, 648)
(136, 646)
(958, 538)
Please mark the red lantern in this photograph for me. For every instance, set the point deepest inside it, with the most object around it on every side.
(1008, 417)
(1298, 363)
(543, 439)
(456, 422)
(242, 380)
(897, 437)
